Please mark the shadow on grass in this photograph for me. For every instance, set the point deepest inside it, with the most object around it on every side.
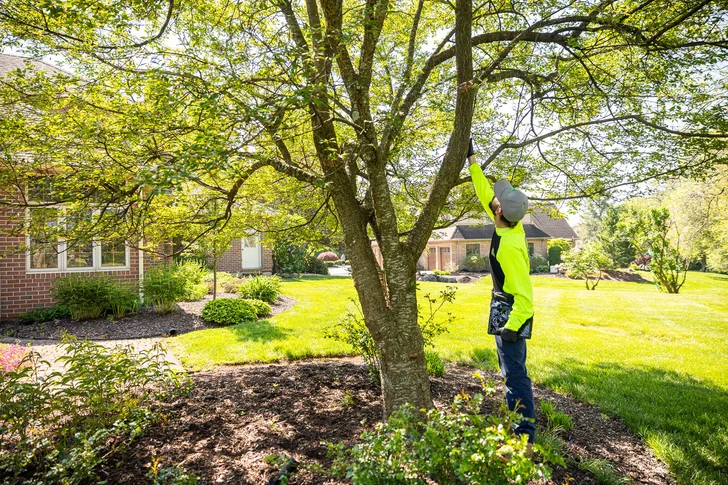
(682, 419)
(718, 277)
(260, 331)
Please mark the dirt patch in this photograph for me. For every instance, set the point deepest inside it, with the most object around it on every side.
(146, 323)
(235, 417)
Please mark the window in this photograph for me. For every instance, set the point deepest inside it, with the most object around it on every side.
(49, 253)
(531, 249)
(472, 249)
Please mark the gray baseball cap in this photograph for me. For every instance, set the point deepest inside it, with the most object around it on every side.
(514, 203)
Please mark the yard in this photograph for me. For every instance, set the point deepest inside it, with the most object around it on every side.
(655, 360)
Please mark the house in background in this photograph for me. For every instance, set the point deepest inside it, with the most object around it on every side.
(28, 267)
(448, 247)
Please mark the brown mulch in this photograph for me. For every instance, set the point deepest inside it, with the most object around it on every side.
(236, 416)
(146, 323)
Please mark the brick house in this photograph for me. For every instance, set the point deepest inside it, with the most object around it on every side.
(448, 247)
(29, 268)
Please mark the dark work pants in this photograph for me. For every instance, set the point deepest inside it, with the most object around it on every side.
(512, 359)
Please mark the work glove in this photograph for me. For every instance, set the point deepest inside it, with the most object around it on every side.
(471, 151)
(508, 335)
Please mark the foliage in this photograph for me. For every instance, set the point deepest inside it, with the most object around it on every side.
(262, 309)
(435, 365)
(654, 233)
(259, 287)
(441, 272)
(352, 329)
(229, 311)
(556, 247)
(474, 262)
(163, 286)
(538, 260)
(91, 296)
(603, 223)
(40, 315)
(317, 266)
(542, 269)
(193, 272)
(604, 472)
(558, 422)
(588, 262)
(290, 257)
(232, 285)
(11, 356)
(60, 428)
(456, 446)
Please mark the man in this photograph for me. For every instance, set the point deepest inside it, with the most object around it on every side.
(510, 269)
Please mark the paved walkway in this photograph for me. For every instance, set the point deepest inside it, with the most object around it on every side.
(50, 350)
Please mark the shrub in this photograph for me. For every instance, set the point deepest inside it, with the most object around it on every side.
(556, 247)
(441, 272)
(229, 311)
(474, 262)
(266, 288)
(262, 309)
(333, 263)
(85, 296)
(193, 273)
(61, 428)
(222, 279)
(435, 365)
(11, 356)
(40, 315)
(124, 298)
(589, 263)
(542, 269)
(538, 260)
(289, 257)
(91, 296)
(232, 286)
(163, 287)
(459, 446)
(316, 266)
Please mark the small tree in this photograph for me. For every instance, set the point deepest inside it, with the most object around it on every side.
(654, 233)
(556, 247)
(589, 263)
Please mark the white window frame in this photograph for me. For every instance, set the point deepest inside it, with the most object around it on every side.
(62, 254)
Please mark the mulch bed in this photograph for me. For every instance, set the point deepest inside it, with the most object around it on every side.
(236, 416)
(146, 323)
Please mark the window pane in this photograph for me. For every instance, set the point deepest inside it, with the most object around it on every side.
(472, 249)
(531, 249)
(43, 243)
(113, 253)
(80, 255)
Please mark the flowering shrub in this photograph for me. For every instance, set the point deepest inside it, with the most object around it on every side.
(11, 356)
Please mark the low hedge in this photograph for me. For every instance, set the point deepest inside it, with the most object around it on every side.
(229, 311)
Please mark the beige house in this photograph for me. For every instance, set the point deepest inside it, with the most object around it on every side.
(448, 247)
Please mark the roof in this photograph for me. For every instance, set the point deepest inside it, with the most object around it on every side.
(486, 232)
(9, 63)
(556, 227)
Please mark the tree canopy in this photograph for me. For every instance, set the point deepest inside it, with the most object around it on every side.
(350, 107)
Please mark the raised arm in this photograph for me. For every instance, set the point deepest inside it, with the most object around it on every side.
(482, 186)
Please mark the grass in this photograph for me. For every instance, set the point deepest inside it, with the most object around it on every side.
(656, 360)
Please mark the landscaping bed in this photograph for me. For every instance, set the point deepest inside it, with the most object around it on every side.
(143, 324)
(236, 417)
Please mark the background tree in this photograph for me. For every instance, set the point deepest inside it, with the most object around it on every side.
(556, 248)
(588, 262)
(356, 101)
(655, 233)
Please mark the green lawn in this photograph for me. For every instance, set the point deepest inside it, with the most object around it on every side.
(658, 361)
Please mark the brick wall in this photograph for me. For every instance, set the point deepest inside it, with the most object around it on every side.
(21, 291)
(232, 260)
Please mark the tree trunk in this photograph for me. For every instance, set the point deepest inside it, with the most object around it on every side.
(214, 277)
